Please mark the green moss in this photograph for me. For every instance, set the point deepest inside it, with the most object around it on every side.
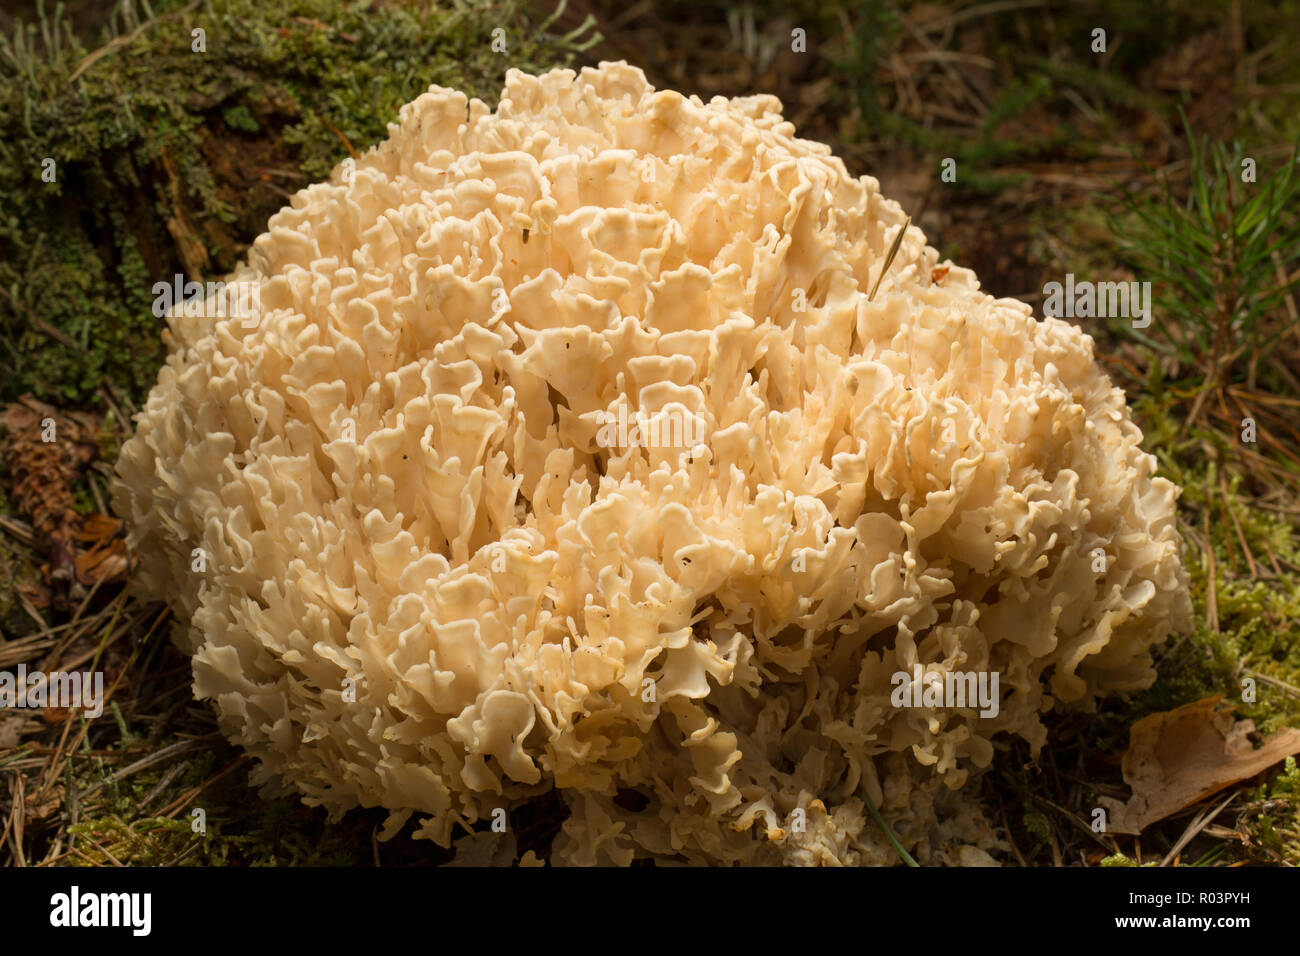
(1037, 826)
(152, 842)
(1119, 859)
(126, 823)
(239, 117)
(136, 819)
(1287, 785)
(1275, 822)
(170, 161)
(1257, 612)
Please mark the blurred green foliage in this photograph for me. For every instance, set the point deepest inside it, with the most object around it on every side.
(1214, 248)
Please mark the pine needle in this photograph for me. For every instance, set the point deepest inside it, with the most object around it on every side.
(889, 257)
(880, 821)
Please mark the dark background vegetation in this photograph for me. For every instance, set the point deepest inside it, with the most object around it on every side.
(1114, 166)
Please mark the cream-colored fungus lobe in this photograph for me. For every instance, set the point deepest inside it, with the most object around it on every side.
(427, 586)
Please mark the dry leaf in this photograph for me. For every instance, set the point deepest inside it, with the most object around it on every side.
(97, 528)
(105, 564)
(32, 588)
(11, 729)
(1181, 756)
(40, 804)
(105, 558)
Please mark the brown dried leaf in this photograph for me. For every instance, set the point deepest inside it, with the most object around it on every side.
(106, 563)
(31, 586)
(96, 529)
(40, 804)
(105, 558)
(1181, 756)
(11, 729)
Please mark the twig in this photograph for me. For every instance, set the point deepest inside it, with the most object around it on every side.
(1007, 826)
(166, 753)
(1288, 689)
(104, 850)
(1073, 819)
(194, 847)
(1241, 537)
(175, 806)
(1211, 590)
(1195, 827)
(116, 44)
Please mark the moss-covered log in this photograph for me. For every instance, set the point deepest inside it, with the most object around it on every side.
(162, 146)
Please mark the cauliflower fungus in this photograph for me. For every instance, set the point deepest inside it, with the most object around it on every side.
(428, 552)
